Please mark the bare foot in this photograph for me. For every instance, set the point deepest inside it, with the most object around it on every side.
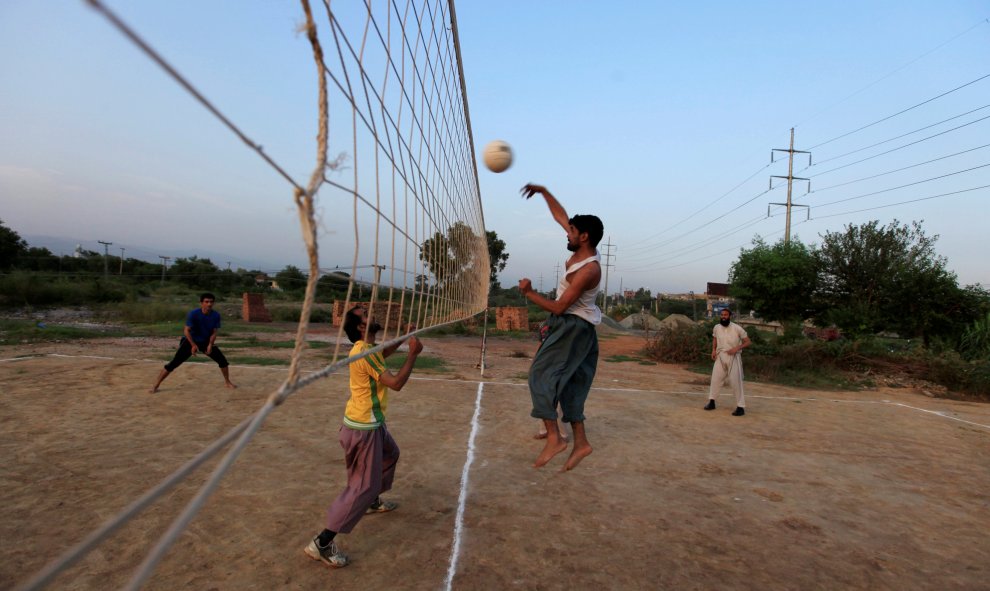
(577, 454)
(153, 390)
(231, 385)
(549, 451)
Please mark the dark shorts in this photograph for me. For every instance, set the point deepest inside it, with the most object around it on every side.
(564, 368)
(185, 352)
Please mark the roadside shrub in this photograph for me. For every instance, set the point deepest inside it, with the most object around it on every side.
(29, 289)
(690, 344)
(975, 340)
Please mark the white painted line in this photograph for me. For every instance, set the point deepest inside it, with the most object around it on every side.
(455, 551)
(941, 414)
(18, 358)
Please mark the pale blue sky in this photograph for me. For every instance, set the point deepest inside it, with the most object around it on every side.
(644, 114)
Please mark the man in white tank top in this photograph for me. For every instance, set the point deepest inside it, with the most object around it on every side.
(567, 360)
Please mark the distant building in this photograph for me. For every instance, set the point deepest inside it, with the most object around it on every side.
(717, 298)
(718, 290)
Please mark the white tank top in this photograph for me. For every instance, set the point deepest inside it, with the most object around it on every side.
(585, 306)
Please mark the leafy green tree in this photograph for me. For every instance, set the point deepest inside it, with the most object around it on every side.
(38, 259)
(12, 247)
(453, 258)
(497, 258)
(332, 285)
(291, 279)
(777, 281)
(672, 306)
(887, 278)
(642, 299)
(195, 272)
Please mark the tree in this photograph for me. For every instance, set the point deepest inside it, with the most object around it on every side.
(453, 258)
(332, 285)
(777, 281)
(12, 247)
(876, 278)
(497, 258)
(291, 279)
(195, 272)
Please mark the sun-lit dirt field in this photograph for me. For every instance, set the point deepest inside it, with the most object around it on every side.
(884, 489)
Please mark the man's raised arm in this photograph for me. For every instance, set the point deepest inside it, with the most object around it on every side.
(556, 209)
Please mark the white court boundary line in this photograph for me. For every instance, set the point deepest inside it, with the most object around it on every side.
(455, 550)
(937, 413)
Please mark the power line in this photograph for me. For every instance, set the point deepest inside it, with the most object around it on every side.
(716, 200)
(820, 161)
(832, 215)
(884, 77)
(888, 117)
(935, 178)
(899, 147)
(707, 242)
(900, 169)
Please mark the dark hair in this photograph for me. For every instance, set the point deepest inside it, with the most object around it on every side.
(352, 324)
(207, 296)
(725, 310)
(590, 224)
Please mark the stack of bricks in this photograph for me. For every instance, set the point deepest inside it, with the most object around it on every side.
(381, 311)
(253, 309)
(512, 318)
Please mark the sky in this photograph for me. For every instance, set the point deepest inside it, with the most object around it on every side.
(660, 118)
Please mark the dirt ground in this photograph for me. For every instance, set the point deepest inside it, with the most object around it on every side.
(883, 489)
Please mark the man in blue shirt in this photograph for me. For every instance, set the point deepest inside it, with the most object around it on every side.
(200, 332)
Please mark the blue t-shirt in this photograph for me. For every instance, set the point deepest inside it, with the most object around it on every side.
(201, 325)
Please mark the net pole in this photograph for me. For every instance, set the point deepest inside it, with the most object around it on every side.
(484, 342)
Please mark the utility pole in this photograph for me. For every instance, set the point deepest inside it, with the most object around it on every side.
(165, 261)
(541, 284)
(556, 275)
(608, 254)
(106, 257)
(790, 179)
(694, 312)
(228, 265)
(121, 261)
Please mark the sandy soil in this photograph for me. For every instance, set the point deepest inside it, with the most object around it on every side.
(884, 489)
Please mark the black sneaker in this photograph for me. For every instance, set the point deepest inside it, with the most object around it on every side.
(740, 411)
(710, 405)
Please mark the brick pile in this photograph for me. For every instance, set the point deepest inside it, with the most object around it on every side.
(253, 309)
(512, 318)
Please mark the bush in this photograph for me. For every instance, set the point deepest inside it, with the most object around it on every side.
(690, 344)
(22, 288)
(975, 340)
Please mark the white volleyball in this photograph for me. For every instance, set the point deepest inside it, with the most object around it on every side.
(497, 156)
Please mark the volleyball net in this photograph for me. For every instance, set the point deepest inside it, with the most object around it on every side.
(394, 187)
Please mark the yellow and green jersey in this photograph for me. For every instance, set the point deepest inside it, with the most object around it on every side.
(369, 397)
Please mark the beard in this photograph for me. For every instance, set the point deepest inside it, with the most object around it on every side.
(724, 322)
(572, 247)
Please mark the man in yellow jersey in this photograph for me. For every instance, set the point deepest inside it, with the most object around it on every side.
(565, 364)
(369, 450)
